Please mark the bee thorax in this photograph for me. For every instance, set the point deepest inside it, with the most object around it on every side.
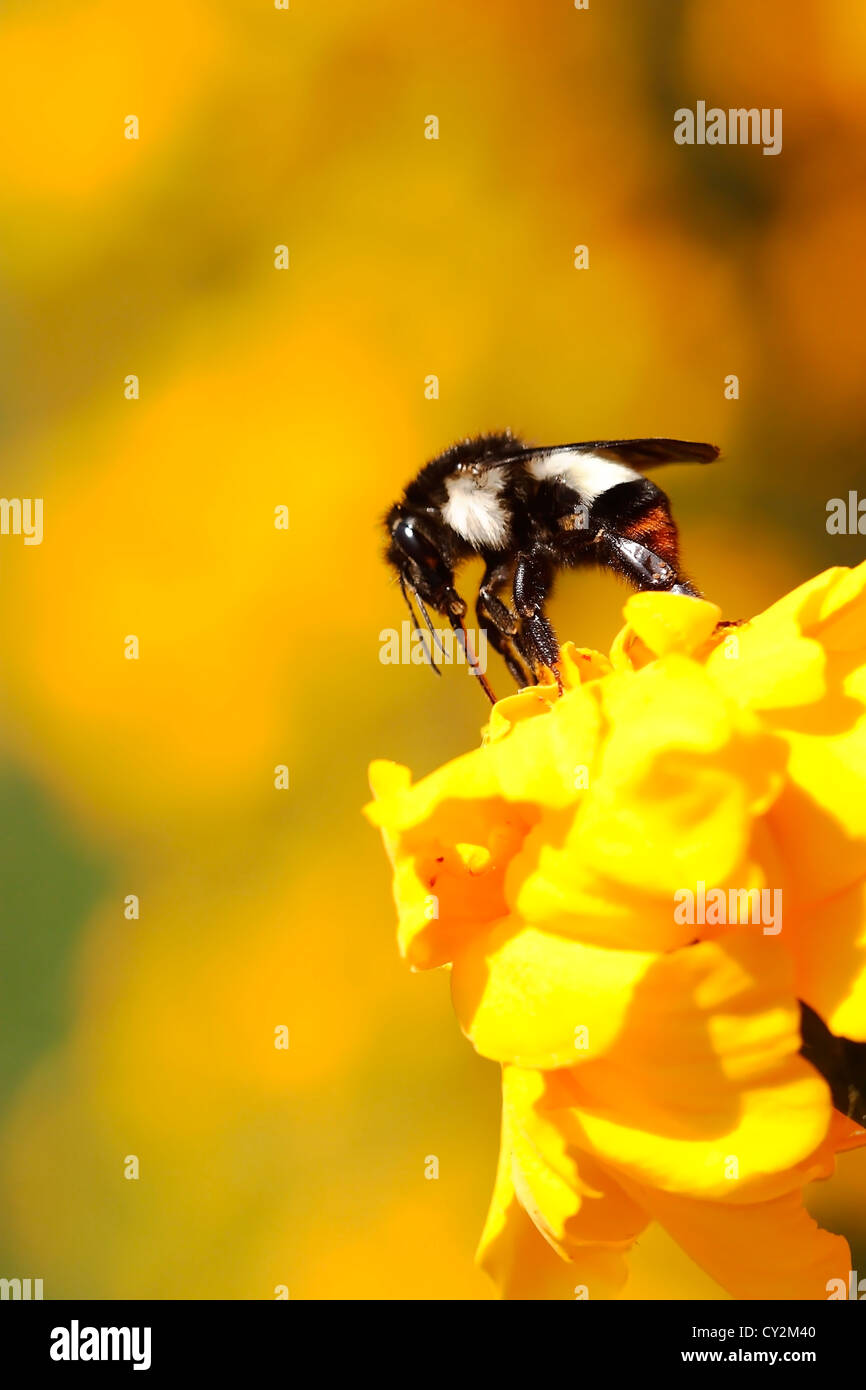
(588, 474)
(476, 509)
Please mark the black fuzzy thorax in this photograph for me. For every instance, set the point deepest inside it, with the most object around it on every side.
(428, 486)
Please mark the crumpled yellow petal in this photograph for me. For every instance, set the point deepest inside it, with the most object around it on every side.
(523, 1263)
(802, 664)
(792, 654)
(661, 624)
(547, 761)
(760, 1250)
(578, 666)
(671, 799)
(570, 1197)
(542, 1000)
(704, 1092)
(450, 852)
(828, 943)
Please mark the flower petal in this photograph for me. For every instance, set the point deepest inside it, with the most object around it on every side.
(661, 623)
(523, 1263)
(705, 1091)
(450, 839)
(541, 1000)
(571, 1198)
(829, 944)
(758, 1250)
(671, 797)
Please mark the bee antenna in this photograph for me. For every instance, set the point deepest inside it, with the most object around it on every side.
(426, 616)
(428, 657)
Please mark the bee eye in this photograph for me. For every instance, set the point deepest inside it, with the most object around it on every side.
(413, 544)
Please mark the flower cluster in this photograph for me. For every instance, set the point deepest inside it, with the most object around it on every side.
(651, 1058)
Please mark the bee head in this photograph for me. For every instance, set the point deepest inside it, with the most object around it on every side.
(416, 552)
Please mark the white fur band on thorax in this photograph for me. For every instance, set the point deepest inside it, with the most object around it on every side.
(588, 474)
(474, 508)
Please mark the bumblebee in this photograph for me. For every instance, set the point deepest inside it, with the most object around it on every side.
(530, 512)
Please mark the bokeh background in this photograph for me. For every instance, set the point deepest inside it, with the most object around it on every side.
(258, 647)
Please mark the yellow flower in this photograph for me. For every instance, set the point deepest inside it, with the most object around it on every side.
(635, 884)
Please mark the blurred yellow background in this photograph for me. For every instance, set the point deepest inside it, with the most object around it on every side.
(304, 388)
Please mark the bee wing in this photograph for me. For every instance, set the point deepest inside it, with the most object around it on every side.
(636, 453)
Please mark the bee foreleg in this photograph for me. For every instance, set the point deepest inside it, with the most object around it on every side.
(456, 620)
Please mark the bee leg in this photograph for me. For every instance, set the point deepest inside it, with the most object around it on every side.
(501, 625)
(641, 566)
(520, 673)
(636, 537)
(506, 646)
(527, 656)
(533, 581)
(455, 618)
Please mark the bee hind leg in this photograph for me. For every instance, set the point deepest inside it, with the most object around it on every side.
(641, 566)
(636, 536)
